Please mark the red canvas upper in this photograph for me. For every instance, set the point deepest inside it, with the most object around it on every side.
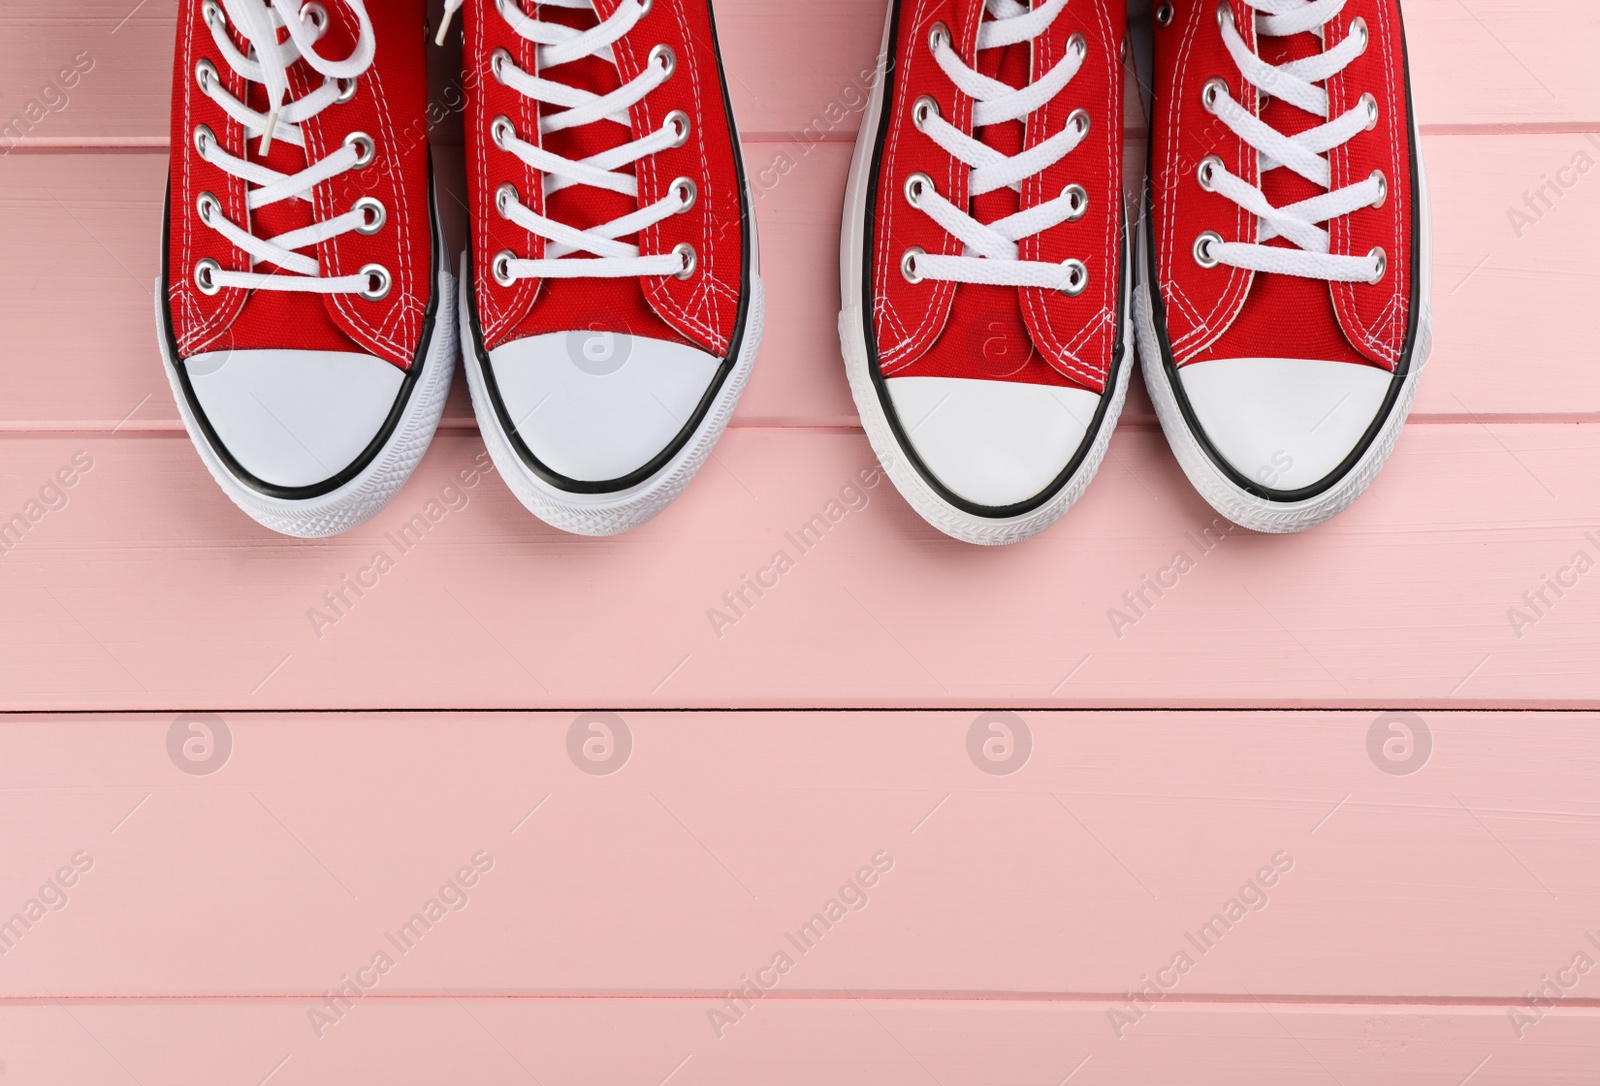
(390, 106)
(1027, 334)
(1226, 312)
(701, 310)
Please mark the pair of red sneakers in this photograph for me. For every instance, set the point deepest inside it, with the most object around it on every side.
(1275, 279)
(610, 306)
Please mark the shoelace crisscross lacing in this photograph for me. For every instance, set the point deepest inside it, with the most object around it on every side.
(268, 62)
(609, 257)
(990, 253)
(1305, 153)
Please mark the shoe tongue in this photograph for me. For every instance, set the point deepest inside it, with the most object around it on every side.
(1317, 329)
(583, 206)
(280, 318)
(285, 158)
(339, 39)
(1011, 65)
(600, 305)
(995, 342)
(1283, 186)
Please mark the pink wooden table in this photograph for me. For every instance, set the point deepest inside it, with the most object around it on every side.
(1210, 852)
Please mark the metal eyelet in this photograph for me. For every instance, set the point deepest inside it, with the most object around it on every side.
(1079, 119)
(1164, 14)
(214, 16)
(1382, 259)
(1358, 28)
(378, 282)
(689, 193)
(1078, 44)
(1225, 9)
(207, 205)
(644, 7)
(1214, 91)
(504, 197)
(347, 89)
(203, 138)
(663, 56)
(366, 150)
(1078, 199)
(1077, 278)
(205, 73)
(916, 185)
(690, 258)
(500, 268)
(497, 65)
(678, 121)
(205, 273)
(908, 264)
(939, 34)
(318, 13)
(376, 215)
(1207, 172)
(923, 108)
(1371, 105)
(502, 131)
(1383, 188)
(1202, 249)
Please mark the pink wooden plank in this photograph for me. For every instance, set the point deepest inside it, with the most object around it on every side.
(1477, 63)
(94, 222)
(1107, 851)
(92, 68)
(849, 1042)
(151, 591)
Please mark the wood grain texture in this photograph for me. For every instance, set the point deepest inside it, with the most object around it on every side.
(1475, 63)
(150, 591)
(685, 851)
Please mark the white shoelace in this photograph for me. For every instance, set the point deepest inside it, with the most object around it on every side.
(268, 63)
(558, 44)
(1295, 83)
(991, 249)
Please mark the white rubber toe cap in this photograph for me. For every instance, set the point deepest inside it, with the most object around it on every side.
(1285, 423)
(992, 443)
(595, 406)
(294, 418)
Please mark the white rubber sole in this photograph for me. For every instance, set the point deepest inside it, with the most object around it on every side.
(1228, 498)
(364, 496)
(929, 504)
(619, 511)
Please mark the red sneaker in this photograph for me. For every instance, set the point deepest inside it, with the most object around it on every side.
(611, 299)
(982, 266)
(1288, 236)
(305, 308)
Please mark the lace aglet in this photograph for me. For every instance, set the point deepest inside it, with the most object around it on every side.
(266, 136)
(444, 27)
